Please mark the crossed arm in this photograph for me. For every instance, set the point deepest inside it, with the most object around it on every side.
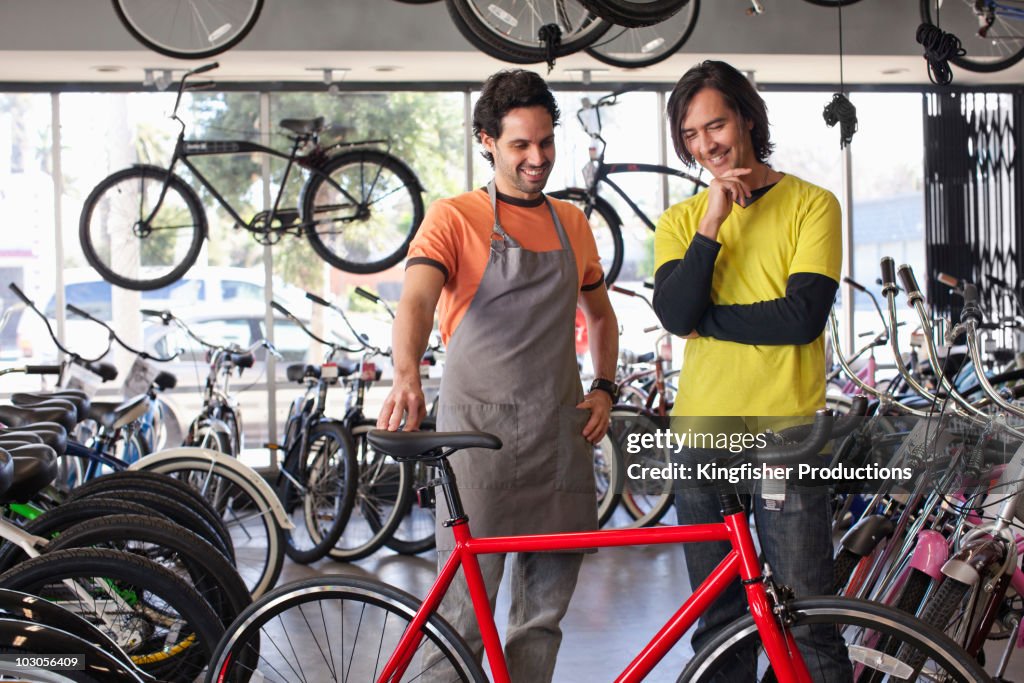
(682, 300)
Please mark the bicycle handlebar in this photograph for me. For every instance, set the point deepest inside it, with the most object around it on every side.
(202, 69)
(909, 283)
(49, 329)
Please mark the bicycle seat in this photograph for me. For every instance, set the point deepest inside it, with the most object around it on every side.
(15, 416)
(28, 399)
(113, 415)
(423, 445)
(49, 433)
(303, 126)
(165, 380)
(48, 402)
(34, 468)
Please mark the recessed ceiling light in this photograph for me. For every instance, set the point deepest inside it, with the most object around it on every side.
(895, 70)
(107, 69)
(386, 69)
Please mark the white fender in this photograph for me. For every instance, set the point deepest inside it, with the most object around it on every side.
(223, 460)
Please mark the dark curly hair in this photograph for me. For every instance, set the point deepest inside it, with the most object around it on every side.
(507, 90)
(739, 93)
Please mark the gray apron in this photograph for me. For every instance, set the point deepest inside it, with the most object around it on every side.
(511, 370)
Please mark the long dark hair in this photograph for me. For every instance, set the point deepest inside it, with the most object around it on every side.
(507, 90)
(739, 93)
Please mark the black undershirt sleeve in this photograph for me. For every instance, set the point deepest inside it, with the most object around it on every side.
(682, 288)
(797, 318)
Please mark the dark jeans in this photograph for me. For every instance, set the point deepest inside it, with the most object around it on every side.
(796, 542)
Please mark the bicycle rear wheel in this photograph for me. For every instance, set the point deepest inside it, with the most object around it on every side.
(130, 251)
(605, 223)
(188, 29)
(415, 532)
(345, 627)
(863, 626)
(993, 38)
(510, 30)
(382, 496)
(635, 48)
(361, 210)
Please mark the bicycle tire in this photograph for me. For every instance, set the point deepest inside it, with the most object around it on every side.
(608, 474)
(375, 231)
(66, 516)
(842, 569)
(415, 532)
(867, 619)
(510, 33)
(155, 501)
(171, 546)
(188, 642)
(203, 434)
(160, 26)
(127, 193)
(635, 13)
(914, 589)
(134, 482)
(832, 3)
(983, 55)
(643, 46)
(607, 234)
(257, 538)
(329, 471)
(941, 608)
(373, 605)
(382, 493)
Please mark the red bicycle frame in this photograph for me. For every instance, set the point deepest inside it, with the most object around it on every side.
(740, 563)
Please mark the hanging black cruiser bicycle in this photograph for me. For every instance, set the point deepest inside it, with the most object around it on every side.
(142, 228)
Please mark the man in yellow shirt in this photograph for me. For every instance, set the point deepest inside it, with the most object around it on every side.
(747, 272)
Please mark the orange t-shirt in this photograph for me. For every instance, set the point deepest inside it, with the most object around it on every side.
(455, 237)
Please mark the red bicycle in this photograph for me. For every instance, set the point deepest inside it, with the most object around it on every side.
(365, 630)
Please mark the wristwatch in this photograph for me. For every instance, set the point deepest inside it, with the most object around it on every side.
(607, 386)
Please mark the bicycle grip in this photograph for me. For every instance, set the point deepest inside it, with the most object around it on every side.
(888, 273)
(20, 294)
(622, 290)
(105, 371)
(42, 369)
(316, 299)
(368, 295)
(971, 309)
(204, 68)
(856, 285)
(78, 311)
(906, 274)
(280, 309)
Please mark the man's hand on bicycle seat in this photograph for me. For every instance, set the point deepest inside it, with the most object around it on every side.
(404, 401)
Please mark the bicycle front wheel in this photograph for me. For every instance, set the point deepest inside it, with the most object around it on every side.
(188, 29)
(605, 223)
(635, 48)
(634, 13)
(327, 472)
(142, 228)
(159, 620)
(864, 627)
(993, 38)
(361, 210)
(345, 629)
(646, 499)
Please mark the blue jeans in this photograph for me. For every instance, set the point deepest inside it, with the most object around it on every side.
(796, 542)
